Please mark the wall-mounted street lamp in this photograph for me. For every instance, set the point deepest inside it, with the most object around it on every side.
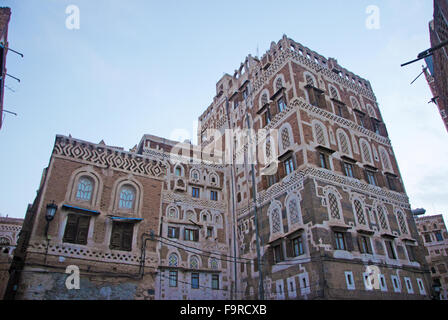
(49, 215)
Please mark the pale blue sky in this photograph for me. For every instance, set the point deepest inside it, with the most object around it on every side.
(139, 66)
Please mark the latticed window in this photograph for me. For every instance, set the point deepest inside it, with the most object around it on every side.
(371, 111)
(366, 152)
(320, 135)
(355, 103)
(333, 93)
(285, 139)
(294, 214)
(345, 148)
(194, 263)
(173, 260)
(309, 80)
(268, 148)
(276, 220)
(278, 84)
(127, 196)
(264, 99)
(334, 208)
(402, 222)
(85, 187)
(382, 218)
(385, 159)
(214, 264)
(360, 212)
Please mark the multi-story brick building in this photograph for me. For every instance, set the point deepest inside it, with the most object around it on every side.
(438, 71)
(435, 236)
(292, 136)
(9, 234)
(5, 14)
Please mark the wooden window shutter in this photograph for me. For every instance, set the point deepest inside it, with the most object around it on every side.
(115, 239)
(71, 228)
(176, 233)
(321, 101)
(359, 240)
(349, 241)
(369, 245)
(83, 229)
(127, 236)
(333, 239)
(289, 248)
(196, 235)
(343, 168)
(255, 262)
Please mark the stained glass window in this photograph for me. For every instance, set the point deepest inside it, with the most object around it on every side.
(85, 187)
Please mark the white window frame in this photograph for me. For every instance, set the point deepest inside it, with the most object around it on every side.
(408, 283)
(382, 287)
(292, 293)
(350, 286)
(304, 289)
(396, 289)
(421, 286)
(280, 293)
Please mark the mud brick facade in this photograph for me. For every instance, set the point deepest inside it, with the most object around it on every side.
(438, 77)
(9, 234)
(434, 234)
(333, 217)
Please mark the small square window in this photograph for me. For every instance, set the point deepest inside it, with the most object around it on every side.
(195, 281)
(195, 192)
(278, 253)
(173, 278)
(348, 170)
(173, 233)
(289, 166)
(215, 282)
(214, 195)
(340, 240)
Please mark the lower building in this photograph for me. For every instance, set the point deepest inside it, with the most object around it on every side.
(9, 234)
(434, 234)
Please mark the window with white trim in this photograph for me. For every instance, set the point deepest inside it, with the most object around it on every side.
(396, 283)
(350, 280)
(408, 283)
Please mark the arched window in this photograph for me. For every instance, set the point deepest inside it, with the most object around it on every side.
(366, 151)
(371, 111)
(355, 103)
(344, 143)
(275, 219)
(173, 260)
(85, 187)
(194, 175)
(278, 84)
(178, 171)
(194, 262)
(213, 264)
(385, 160)
(294, 211)
(334, 94)
(320, 134)
(382, 217)
(172, 212)
(264, 100)
(359, 212)
(127, 198)
(310, 81)
(285, 136)
(402, 222)
(333, 203)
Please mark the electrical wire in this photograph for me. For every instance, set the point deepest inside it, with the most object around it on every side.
(292, 262)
